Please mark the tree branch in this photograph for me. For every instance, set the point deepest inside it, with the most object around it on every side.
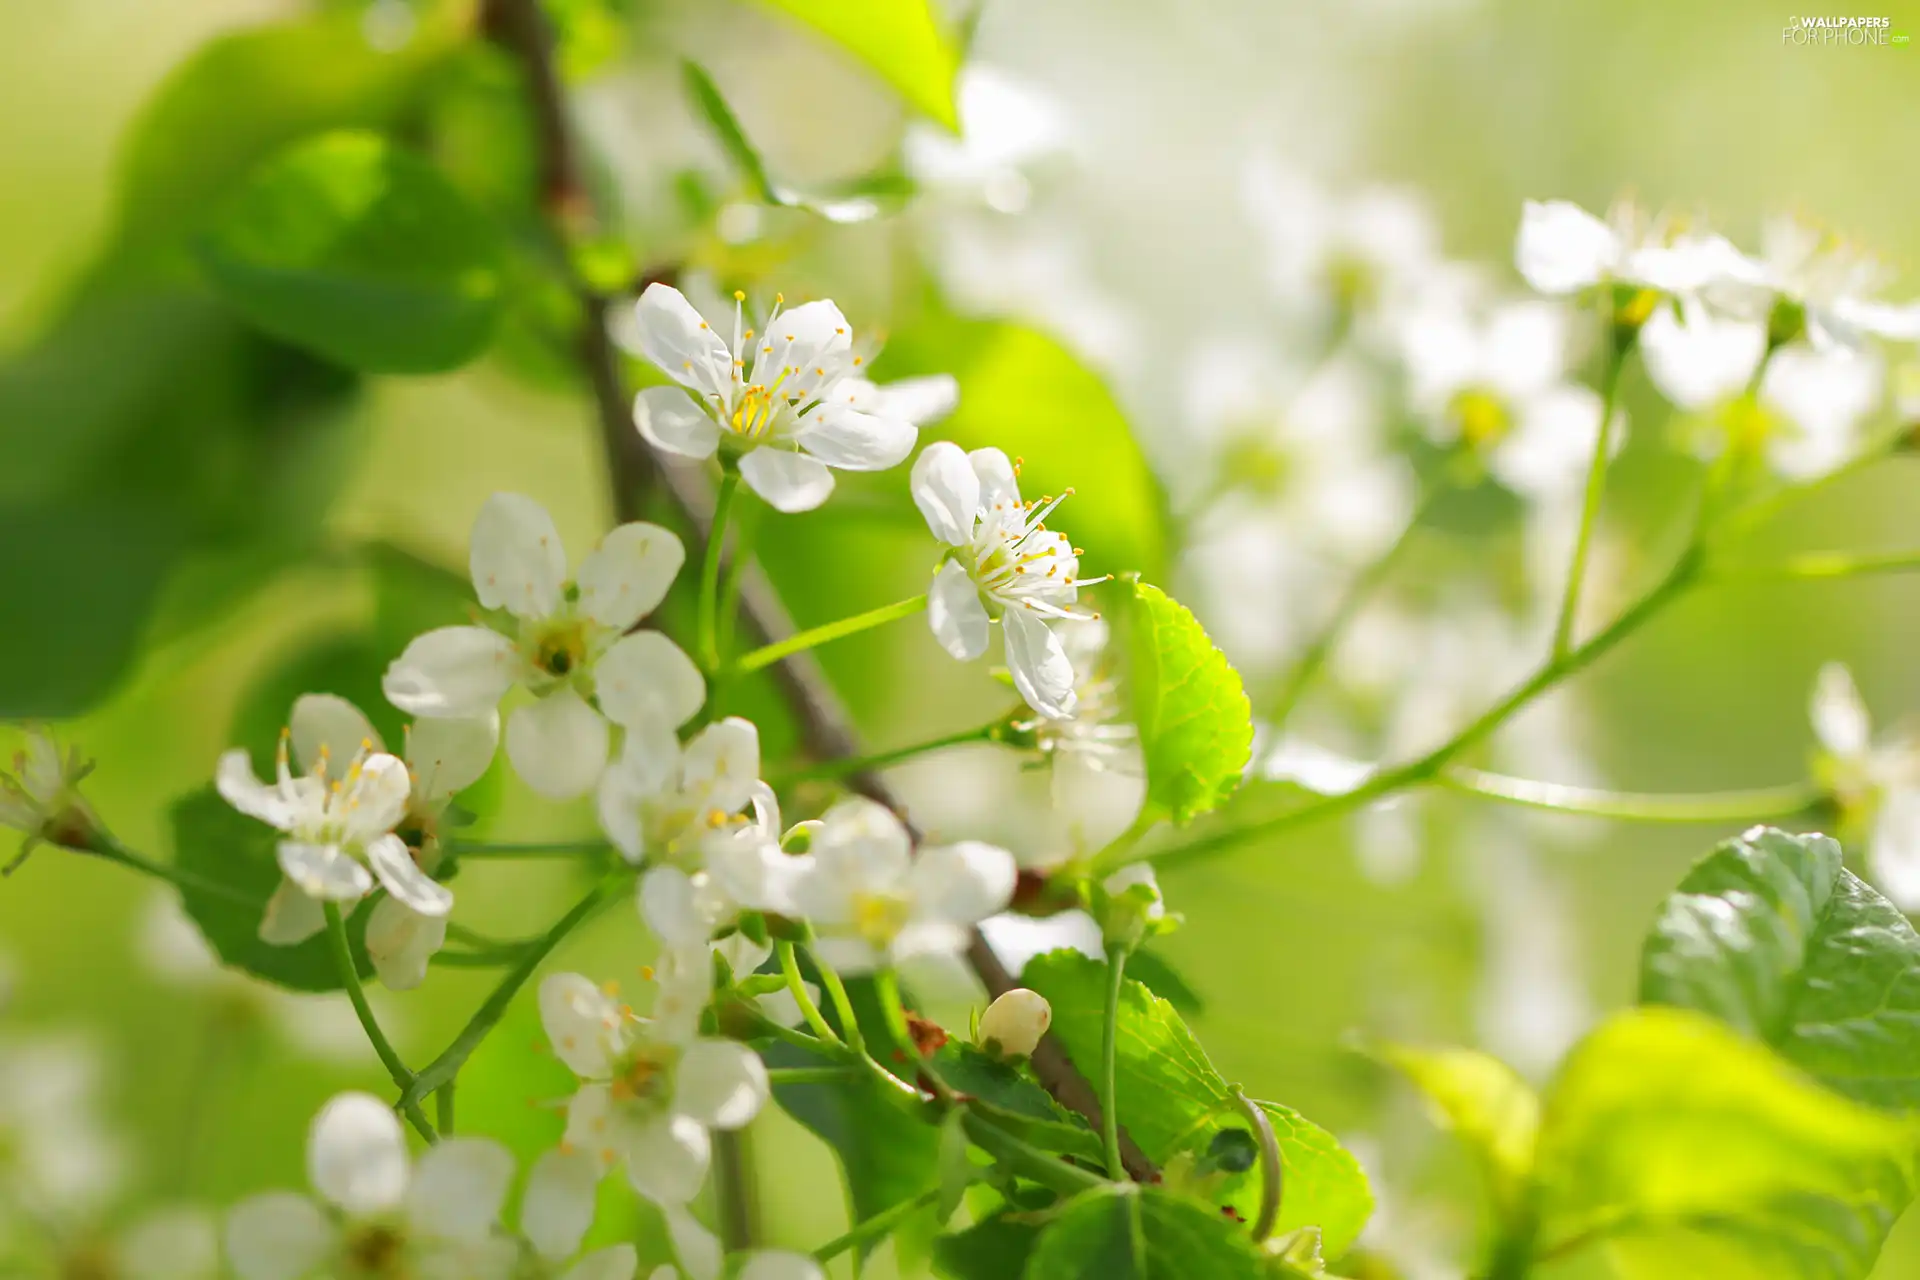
(635, 473)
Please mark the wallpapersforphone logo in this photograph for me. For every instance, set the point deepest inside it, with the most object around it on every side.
(1839, 33)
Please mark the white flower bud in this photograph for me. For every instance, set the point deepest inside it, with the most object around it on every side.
(1012, 1025)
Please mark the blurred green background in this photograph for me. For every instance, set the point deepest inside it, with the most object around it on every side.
(216, 493)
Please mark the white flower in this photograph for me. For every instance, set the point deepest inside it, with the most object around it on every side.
(443, 756)
(384, 1215)
(1876, 785)
(1006, 127)
(1500, 388)
(1564, 249)
(1830, 282)
(41, 797)
(1098, 735)
(572, 640)
(787, 409)
(1014, 1023)
(651, 1088)
(338, 818)
(555, 1213)
(874, 902)
(58, 1164)
(1003, 564)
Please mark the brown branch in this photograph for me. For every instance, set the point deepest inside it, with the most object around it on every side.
(634, 473)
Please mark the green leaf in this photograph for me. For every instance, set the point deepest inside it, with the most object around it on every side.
(1772, 935)
(1129, 1232)
(246, 95)
(1195, 723)
(1153, 970)
(1017, 1103)
(217, 843)
(993, 1248)
(733, 139)
(358, 250)
(1482, 1099)
(1694, 1151)
(1172, 1100)
(899, 39)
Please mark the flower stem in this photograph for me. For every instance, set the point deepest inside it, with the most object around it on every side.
(816, 1021)
(1763, 803)
(1273, 1170)
(708, 617)
(443, 1108)
(1109, 1062)
(766, 655)
(448, 1064)
(403, 1077)
(746, 523)
(877, 1227)
(843, 765)
(1817, 565)
(1027, 1160)
(186, 881)
(1617, 349)
(842, 1005)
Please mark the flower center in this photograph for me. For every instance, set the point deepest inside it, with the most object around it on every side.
(1482, 418)
(375, 1249)
(879, 917)
(559, 647)
(643, 1080)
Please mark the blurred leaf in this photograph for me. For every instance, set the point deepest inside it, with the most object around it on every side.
(1173, 1100)
(346, 665)
(362, 252)
(733, 139)
(480, 130)
(412, 595)
(1129, 1232)
(78, 577)
(216, 842)
(1693, 1151)
(994, 1248)
(245, 95)
(588, 34)
(1494, 1111)
(1772, 935)
(1195, 723)
(900, 39)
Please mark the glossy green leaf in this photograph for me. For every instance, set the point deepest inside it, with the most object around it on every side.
(1172, 1100)
(1194, 720)
(1494, 1111)
(1016, 1102)
(1130, 1232)
(244, 96)
(1772, 935)
(361, 251)
(994, 1248)
(899, 39)
(215, 842)
(1691, 1150)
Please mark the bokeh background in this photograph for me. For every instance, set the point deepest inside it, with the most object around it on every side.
(1103, 207)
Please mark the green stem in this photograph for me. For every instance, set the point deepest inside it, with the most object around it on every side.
(1759, 804)
(403, 1077)
(842, 1005)
(813, 1075)
(443, 1108)
(1273, 1171)
(1819, 565)
(448, 1064)
(735, 1206)
(524, 848)
(1358, 592)
(844, 765)
(708, 617)
(893, 1012)
(746, 525)
(767, 655)
(1026, 1159)
(186, 881)
(797, 985)
(878, 1227)
(1109, 1063)
(1617, 349)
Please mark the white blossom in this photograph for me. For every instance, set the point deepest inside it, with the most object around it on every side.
(58, 1163)
(1831, 282)
(1014, 1022)
(875, 902)
(1564, 249)
(381, 1214)
(1002, 565)
(569, 641)
(41, 797)
(1876, 784)
(785, 406)
(555, 1213)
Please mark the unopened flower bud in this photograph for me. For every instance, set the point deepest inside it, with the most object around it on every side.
(1129, 907)
(1012, 1025)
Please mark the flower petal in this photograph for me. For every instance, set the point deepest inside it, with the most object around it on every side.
(806, 350)
(697, 1248)
(947, 492)
(326, 727)
(999, 482)
(915, 401)
(323, 871)
(842, 436)
(374, 798)
(558, 744)
(1038, 662)
(357, 1156)
(667, 1158)
(516, 556)
(680, 342)
(954, 612)
(722, 764)
(788, 481)
(615, 1262)
(577, 1017)
(280, 1235)
(400, 942)
(1839, 716)
(234, 779)
(674, 424)
(1697, 358)
(1550, 448)
(169, 1244)
(1894, 852)
(962, 883)
(449, 754)
(589, 1116)
(1562, 247)
(861, 845)
(647, 764)
(627, 575)
(559, 1202)
(720, 1083)
(291, 917)
(459, 1185)
(403, 879)
(452, 671)
(646, 677)
(670, 904)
